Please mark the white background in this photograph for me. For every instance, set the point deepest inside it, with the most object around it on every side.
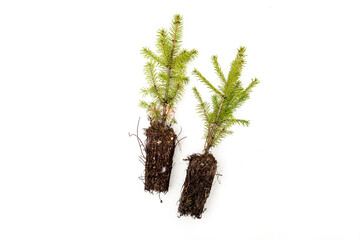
(70, 74)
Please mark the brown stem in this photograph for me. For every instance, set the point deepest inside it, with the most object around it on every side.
(211, 135)
(164, 112)
(157, 92)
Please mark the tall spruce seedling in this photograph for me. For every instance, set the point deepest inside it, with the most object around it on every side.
(218, 118)
(166, 76)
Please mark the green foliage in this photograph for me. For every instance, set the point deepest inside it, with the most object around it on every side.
(166, 73)
(226, 99)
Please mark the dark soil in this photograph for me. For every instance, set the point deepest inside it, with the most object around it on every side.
(197, 185)
(159, 147)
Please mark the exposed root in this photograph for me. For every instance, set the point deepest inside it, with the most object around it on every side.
(142, 157)
(178, 141)
(160, 198)
(142, 178)
(217, 177)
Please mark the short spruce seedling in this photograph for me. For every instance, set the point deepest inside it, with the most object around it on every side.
(166, 76)
(218, 118)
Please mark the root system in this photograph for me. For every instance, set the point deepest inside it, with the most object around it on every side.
(159, 148)
(197, 185)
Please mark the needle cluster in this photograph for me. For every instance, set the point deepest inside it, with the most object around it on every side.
(166, 73)
(226, 99)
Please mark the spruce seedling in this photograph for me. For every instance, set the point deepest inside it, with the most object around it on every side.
(218, 118)
(166, 76)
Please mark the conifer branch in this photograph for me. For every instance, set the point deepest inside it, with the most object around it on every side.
(177, 85)
(236, 67)
(151, 56)
(245, 123)
(215, 124)
(253, 83)
(179, 57)
(217, 68)
(162, 43)
(176, 22)
(185, 57)
(205, 81)
(151, 76)
(225, 100)
(203, 107)
(166, 73)
(176, 33)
